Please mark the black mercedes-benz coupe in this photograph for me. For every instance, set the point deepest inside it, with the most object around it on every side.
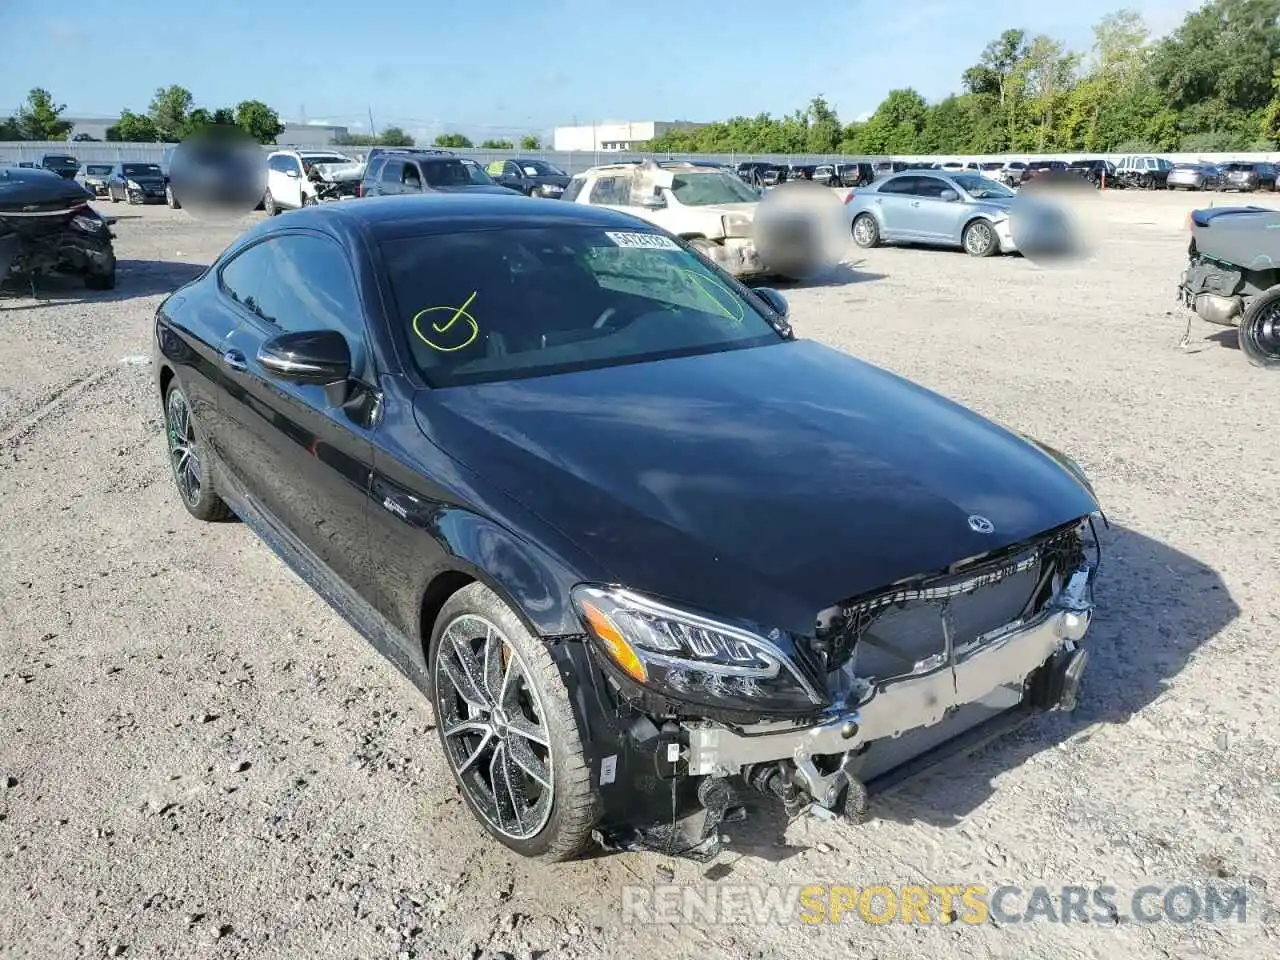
(647, 552)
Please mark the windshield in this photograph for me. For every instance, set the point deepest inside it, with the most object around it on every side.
(700, 189)
(504, 304)
(992, 165)
(981, 188)
(61, 162)
(98, 169)
(141, 170)
(540, 168)
(455, 173)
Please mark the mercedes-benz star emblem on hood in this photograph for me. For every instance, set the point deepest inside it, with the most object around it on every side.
(981, 524)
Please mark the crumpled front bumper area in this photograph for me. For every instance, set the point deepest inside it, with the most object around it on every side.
(818, 768)
(737, 256)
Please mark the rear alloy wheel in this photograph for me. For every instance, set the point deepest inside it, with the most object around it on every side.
(186, 457)
(269, 204)
(980, 239)
(1259, 333)
(169, 198)
(508, 729)
(866, 231)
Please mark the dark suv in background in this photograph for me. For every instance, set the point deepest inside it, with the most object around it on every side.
(64, 165)
(1248, 176)
(392, 174)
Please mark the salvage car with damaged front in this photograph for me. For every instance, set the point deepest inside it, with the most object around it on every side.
(523, 447)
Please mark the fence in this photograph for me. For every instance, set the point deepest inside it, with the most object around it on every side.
(570, 161)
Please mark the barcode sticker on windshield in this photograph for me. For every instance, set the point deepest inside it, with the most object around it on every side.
(643, 241)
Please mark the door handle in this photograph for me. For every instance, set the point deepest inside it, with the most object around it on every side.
(235, 360)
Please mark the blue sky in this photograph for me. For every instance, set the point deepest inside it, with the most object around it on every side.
(503, 67)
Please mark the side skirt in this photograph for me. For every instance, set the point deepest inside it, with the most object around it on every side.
(387, 639)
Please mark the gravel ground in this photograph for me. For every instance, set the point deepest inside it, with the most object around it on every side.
(199, 759)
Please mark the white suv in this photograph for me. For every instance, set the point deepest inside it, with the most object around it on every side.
(288, 187)
(709, 207)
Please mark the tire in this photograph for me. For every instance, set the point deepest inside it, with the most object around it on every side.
(979, 239)
(477, 628)
(1259, 332)
(204, 503)
(269, 204)
(114, 198)
(170, 199)
(866, 231)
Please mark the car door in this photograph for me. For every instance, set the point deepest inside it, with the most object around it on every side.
(928, 215)
(512, 176)
(893, 200)
(302, 461)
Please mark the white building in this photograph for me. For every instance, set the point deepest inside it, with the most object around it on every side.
(615, 136)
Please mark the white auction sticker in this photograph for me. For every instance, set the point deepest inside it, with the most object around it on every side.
(642, 241)
(608, 769)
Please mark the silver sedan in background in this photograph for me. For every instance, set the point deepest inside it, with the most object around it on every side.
(942, 208)
(1195, 176)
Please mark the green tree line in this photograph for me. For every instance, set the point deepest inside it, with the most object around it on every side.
(172, 116)
(1213, 84)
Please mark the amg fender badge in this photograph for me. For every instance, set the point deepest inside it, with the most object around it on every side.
(981, 524)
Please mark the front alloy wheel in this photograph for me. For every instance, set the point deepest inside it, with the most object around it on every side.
(980, 239)
(508, 729)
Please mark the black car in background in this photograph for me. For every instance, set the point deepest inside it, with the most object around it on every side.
(137, 183)
(523, 448)
(857, 174)
(63, 164)
(534, 178)
(1095, 171)
(753, 171)
(394, 173)
(1247, 176)
(1054, 169)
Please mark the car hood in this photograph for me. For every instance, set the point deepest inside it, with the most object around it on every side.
(747, 209)
(765, 483)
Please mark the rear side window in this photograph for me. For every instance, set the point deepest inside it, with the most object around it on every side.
(614, 191)
(929, 187)
(393, 171)
(899, 185)
(373, 169)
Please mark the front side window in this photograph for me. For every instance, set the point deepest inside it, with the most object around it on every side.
(393, 171)
(499, 305)
(142, 170)
(298, 283)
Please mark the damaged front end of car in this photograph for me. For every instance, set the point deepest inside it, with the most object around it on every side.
(691, 714)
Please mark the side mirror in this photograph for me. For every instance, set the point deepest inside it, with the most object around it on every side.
(292, 173)
(315, 357)
(776, 301)
(949, 195)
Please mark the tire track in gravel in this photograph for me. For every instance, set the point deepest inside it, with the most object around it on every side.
(16, 431)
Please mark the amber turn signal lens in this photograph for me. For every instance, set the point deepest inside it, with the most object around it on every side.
(607, 632)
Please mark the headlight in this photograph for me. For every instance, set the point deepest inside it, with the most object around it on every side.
(552, 188)
(132, 185)
(692, 657)
(736, 225)
(87, 224)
